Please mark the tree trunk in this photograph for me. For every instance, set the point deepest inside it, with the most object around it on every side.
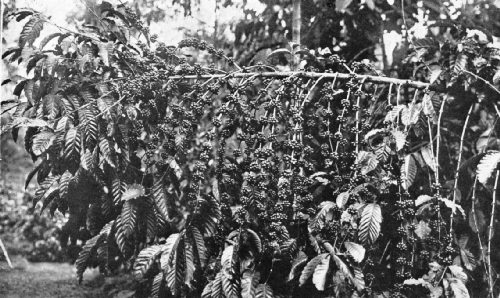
(296, 21)
(296, 24)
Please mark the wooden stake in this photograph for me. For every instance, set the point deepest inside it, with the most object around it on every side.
(6, 254)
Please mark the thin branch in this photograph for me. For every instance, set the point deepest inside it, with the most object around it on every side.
(110, 107)
(70, 31)
(491, 229)
(306, 99)
(6, 110)
(389, 94)
(358, 115)
(340, 122)
(488, 84)
(481, 79)
(476, 226)
(383, 253)
(431, 144)
(460, 151)
(328, 121)
(361, 52)
(313, 75)
(438, 138)
(398, 97)
(251, 56)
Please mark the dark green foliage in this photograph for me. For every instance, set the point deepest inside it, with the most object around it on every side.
(251, 185)
(31, 30)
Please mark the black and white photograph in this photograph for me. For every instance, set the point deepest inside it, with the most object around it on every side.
(250, 149)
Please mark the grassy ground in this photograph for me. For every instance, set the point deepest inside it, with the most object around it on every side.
(47, 280)
(54, 280)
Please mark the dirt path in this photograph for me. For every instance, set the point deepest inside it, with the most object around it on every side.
(47, 280)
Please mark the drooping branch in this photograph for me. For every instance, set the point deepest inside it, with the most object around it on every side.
(438, 138)
(487, 84)
(314, 75)
(459, 161)
(491, 229)
(476, 225)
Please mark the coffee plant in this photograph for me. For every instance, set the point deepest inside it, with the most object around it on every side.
(223, 180)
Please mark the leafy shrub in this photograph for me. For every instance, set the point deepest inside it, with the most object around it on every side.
(47, 250)
(245, 181)
(41, 232)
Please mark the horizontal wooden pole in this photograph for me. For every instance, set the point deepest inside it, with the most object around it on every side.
(312, 75)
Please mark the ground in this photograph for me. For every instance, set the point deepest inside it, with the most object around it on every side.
(46, 280)
(53, 280)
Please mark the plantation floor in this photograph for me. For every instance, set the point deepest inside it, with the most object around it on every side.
(46, 280)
